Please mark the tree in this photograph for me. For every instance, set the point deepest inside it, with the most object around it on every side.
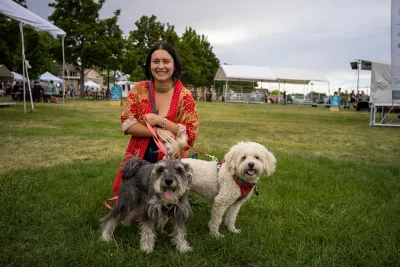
(139, 42)
(199, 62)
(86, 43)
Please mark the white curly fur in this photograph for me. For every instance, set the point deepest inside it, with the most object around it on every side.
(221, 189)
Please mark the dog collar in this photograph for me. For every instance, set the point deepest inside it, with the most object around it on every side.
(244, 186)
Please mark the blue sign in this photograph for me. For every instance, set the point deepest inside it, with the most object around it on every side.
(116, 93)
(335, 101)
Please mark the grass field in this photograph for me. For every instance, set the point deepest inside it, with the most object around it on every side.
(334, 199)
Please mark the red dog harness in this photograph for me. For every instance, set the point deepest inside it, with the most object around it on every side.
(244, 186)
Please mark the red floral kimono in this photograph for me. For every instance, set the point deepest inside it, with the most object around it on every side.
(181, 111)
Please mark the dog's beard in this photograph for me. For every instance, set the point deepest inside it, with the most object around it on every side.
(248, 172)
(170, 194)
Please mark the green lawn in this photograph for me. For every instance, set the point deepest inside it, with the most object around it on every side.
(334, 199)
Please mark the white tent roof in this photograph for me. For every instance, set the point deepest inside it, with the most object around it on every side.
(48, 76)
(298, 76)
(244, 73)
(267, 74)
(18, 12)
(92, 84)
(18, 77)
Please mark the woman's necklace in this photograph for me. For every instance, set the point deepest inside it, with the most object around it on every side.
(163, 89)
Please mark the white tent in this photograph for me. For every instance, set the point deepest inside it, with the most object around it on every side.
(48, 76)
(268, 74)
(18, 77)
(381, 94)
(91, 84)
(381, 82)
(244, 73)
(24, 16)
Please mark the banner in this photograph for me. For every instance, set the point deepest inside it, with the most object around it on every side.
(116, 93)
(395, 51)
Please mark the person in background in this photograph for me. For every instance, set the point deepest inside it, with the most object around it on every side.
(175, 113)
(352, 98)
(54, 93)
(8, 88)
(48, 91)
(16, 94)
(284, 97)
(37, 91)
(72, 90)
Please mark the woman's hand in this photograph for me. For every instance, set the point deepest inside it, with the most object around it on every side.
(165, 135)
(153, 119)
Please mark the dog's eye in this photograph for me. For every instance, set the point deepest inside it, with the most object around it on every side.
(257, 157)
(160, 169)
(244, 157)
(179, 170)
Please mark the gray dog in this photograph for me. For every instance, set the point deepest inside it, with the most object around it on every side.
(154, 194)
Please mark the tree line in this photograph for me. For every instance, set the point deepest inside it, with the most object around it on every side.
(91, 41)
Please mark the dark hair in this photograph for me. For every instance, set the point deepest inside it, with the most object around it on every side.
(171, 50)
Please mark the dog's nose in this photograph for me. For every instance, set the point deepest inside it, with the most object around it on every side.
(168, 181)
(251, 165)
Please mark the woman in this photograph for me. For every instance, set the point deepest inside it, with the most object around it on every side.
(175, 115)
(37, 91)
(48, 91)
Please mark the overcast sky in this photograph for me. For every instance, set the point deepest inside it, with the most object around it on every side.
(322, 35)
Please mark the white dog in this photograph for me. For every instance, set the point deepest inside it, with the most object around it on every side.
(231, 183)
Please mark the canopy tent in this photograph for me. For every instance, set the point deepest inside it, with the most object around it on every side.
(381, 99)
(18, 77)
(5, 72)
(381, 82)
(91, 84)
(268, 74)
(24, 16)
(48, 76)
(244, 73)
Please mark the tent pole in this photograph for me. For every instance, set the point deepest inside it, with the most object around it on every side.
(24, 67)
(23, 64)
(63, 85)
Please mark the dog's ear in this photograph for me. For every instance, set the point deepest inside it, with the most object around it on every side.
(269, 163)
(188, 172)
(230, 159)
(131, 167)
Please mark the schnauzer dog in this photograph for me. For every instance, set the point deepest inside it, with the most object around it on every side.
(153, 194)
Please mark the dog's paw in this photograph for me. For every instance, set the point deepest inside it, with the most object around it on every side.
(146, 248)
(234, 230)
(106, 238)
(184, 249)
(217, 235)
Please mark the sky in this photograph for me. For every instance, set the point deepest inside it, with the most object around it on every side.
(319, 35)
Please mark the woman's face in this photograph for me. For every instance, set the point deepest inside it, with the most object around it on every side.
(162, 66)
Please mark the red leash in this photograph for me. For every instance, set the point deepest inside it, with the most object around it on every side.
(158, 142)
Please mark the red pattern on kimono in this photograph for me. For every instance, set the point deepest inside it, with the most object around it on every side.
(182, 111)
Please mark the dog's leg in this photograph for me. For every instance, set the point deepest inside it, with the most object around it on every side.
(231, 215)
(219, 207)
(108, 226)
(179, 237)
(147, 236)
